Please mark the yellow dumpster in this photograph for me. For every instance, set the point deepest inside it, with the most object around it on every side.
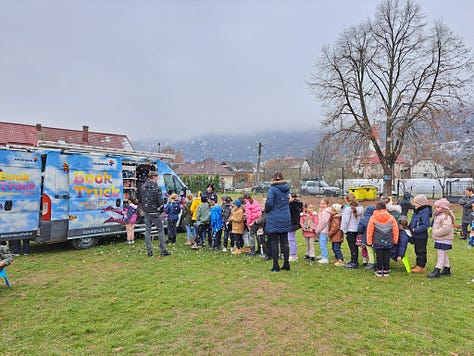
(370, 192)
(359, 192)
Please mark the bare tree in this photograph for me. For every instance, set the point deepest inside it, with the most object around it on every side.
(393, 75)
(321, 157)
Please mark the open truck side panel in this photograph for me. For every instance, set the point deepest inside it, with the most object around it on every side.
(82, 196)
(20, 194)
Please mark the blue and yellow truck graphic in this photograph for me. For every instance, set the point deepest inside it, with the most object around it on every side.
(49, 195)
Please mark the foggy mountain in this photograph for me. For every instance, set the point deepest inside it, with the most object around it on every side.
(235, 147)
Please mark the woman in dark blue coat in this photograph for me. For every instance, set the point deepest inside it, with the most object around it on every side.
(419, 224)
(278, 219)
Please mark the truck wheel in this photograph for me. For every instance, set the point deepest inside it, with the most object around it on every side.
(304, 192)
(328, 193)
(85, 242)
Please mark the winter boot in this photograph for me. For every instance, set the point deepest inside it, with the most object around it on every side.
(446, 271)
(435, 274)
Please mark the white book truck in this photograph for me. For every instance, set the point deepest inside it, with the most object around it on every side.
(61, 192)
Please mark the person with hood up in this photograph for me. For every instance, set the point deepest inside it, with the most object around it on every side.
(419, 224)
(443, 235)
(362, 229)
(278, 221)
(382, 233)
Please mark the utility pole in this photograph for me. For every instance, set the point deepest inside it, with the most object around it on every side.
(259, 156)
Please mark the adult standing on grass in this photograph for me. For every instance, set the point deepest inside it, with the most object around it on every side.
(151, 202)
(419, 224)
(466, 202)
(278, 222)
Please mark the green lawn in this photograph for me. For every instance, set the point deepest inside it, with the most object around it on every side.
(113, 299)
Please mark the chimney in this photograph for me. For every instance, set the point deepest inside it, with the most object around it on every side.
(85, 134)
(39, 128)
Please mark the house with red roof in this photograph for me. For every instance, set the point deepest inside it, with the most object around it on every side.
(12, 134)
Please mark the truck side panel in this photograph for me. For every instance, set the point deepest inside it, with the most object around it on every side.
(95, 195)
(20, 194)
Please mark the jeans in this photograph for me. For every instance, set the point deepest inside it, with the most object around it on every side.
(157, 220)
(323, 244)
(280, 240)
(190, 232)
(336, 248)
(292, 243)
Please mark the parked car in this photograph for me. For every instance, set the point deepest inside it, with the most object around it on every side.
(261, 187)
(319, 187)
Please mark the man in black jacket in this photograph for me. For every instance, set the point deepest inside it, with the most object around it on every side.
(151, 202)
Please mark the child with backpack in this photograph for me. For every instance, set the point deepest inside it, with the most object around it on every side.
(172, 209)
(382, 233)
(130, 218)
(308, 222)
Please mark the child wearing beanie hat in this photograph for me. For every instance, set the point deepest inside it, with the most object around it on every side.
(443, 235)
(420, 200)
(419, 224)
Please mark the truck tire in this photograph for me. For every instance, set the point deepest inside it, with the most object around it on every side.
(304, 192)
(85, 242)
(328, 193)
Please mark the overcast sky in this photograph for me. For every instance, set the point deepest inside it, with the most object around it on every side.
(163, 69)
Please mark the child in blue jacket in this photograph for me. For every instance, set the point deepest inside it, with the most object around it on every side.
(172, 209)
(216, 224)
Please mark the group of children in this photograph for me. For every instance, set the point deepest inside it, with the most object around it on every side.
(380, 232)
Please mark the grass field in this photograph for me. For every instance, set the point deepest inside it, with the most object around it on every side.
(113, 299)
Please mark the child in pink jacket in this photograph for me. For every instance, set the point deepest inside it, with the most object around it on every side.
(323, 229)
(308, 222)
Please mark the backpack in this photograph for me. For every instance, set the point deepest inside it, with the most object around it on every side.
(226, 211)
(174, 209)
(382, 235)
